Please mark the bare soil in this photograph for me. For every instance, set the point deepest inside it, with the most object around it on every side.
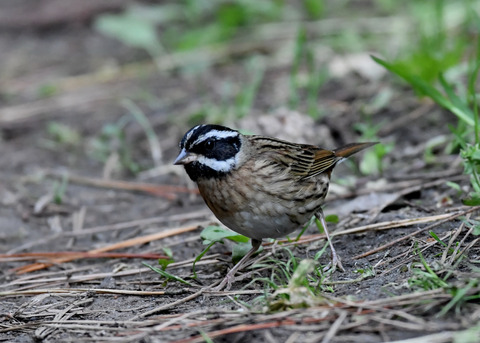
(118, 299)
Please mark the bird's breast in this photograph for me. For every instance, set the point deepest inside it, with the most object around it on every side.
(263, 203)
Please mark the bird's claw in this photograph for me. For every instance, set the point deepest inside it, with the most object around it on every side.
(334, 264)
(226, 283)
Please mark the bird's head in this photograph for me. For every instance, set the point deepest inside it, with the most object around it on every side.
(209, 151)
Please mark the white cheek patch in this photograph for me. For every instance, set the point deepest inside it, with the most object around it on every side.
(217, 134)
(220, 166)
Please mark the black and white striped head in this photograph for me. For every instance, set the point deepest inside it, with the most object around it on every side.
(209, 151)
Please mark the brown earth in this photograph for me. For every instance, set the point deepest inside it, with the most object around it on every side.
(70, 300)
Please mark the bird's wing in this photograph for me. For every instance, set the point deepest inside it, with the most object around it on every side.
(302, 160)
(324, 160)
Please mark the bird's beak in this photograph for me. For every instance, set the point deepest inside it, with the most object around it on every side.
(185, 157)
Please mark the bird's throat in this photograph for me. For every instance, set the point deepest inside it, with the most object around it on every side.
(198, 171)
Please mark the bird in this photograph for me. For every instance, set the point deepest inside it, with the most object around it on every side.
(258, 186)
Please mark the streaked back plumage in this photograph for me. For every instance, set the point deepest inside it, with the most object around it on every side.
(260, 186)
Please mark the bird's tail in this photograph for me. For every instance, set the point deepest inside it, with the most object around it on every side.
(352, 148)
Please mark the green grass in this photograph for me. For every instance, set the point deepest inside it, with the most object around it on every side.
(442, 270)
(306, 77)
(168, 276)
(372, 159)
(61, 136)
(59, 189)
(186, 25)
(237, 99)
(424, 276)
(443, 65)
(144, 122)
(293, 281)
(458, 94)
(437, 56)
(217, 234)
(112, 141)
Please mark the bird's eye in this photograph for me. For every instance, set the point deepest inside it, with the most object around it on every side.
(210, 144)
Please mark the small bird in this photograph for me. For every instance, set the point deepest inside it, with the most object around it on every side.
(258, 186)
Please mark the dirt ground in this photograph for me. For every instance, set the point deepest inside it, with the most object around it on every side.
(116, 298)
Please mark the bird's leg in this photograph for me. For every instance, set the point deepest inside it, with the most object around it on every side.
(230, 277)
(336, 262)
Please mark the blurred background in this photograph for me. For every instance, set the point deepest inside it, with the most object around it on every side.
(120, 81)
(95, 96)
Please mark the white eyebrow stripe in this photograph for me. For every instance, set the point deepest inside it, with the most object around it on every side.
(191, 132)
(217, 134)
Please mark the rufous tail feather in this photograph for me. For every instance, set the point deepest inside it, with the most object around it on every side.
(352, 148)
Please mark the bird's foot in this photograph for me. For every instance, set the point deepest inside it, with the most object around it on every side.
(334, 264)
(224, 285)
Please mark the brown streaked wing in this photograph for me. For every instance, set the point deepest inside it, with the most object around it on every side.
(303, 160)
(324, 160)
(306, 161)
(286, 154)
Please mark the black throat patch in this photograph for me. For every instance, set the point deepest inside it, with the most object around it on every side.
(197, 171)
(217, 147)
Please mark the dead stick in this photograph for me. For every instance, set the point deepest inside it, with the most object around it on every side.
(253, 327)
(473, 209)
(167, 191)
(79, 254)
(168, 306)
(119, 245)
(80, 290)
(371, 227)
